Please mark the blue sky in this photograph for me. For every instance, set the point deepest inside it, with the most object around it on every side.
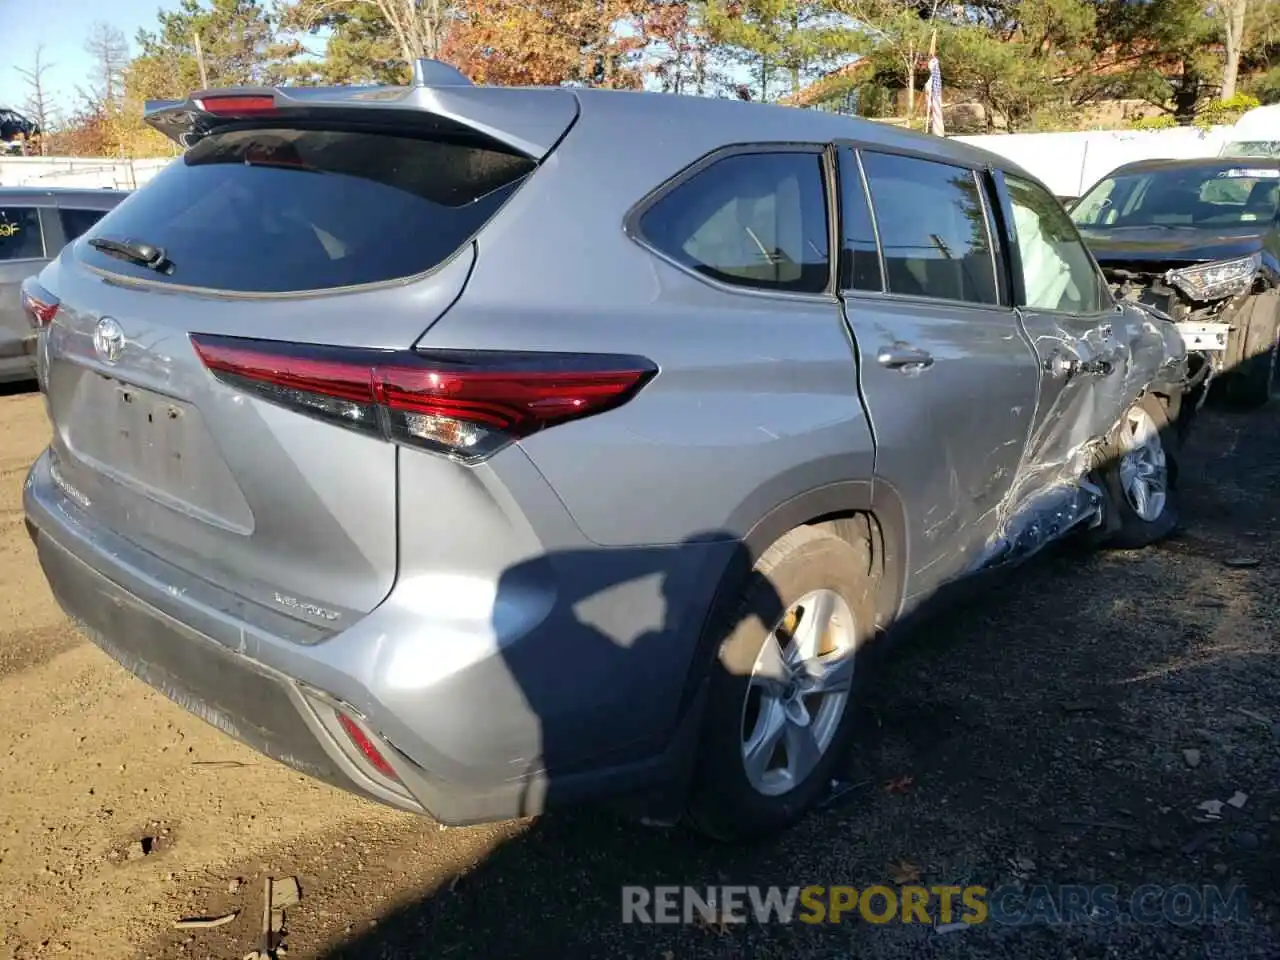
(61, 25)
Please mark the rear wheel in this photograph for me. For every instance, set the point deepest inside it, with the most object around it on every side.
(1250, 384)
(779, 710)
(1141, 475)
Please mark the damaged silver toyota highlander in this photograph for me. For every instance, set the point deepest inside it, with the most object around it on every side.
(482, 449)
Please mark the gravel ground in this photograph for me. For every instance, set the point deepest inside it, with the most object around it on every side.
(1062, 729)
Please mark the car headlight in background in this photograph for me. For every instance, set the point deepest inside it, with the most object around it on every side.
(1212, 281)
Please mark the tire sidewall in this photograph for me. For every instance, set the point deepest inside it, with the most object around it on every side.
(1252, 382)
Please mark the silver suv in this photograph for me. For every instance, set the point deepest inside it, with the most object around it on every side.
(481, 449)
(35, 223)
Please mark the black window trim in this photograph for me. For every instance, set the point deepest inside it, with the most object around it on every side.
(54, 228)
(858, 147)
(1010, 278)
(40, 209)
(631, 222)
(1109, 303)
(855, 158)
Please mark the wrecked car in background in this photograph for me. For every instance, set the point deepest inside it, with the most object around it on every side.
(1198, 240)
(442, 444)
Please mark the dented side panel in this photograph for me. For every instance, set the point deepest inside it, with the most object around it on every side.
(950, 435)
(1092, 370)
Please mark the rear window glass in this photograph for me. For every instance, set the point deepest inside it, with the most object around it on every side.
(20, 237)
(751, 220)
(279, 210)
(76, 221)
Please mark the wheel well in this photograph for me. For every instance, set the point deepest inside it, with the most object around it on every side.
(854, 526)
(854, 510)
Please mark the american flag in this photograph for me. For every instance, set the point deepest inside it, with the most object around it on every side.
(934, 97)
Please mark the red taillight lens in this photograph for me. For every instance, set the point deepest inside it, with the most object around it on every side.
(38, 304)
(222, 106)
(467, 404)
(367, 747)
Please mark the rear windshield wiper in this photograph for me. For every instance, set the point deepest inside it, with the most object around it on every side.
(143, 254)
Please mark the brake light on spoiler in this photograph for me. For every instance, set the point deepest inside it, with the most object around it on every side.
(234, 105)
(465, 404)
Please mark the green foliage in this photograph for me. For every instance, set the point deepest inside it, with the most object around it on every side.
(1161, 121)
(238, 44)
(1223, 112)
(1266, 87)
(875, 100)
(784, 43)
(360, 48)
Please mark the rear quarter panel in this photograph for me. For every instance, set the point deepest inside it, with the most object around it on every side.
(756, 400)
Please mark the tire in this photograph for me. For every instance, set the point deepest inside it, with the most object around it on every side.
(1250, 384)
(1132, 529)
(810, 564)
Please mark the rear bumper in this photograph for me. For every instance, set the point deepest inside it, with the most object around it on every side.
(273, 694)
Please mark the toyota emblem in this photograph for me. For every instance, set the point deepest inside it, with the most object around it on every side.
(108, 340)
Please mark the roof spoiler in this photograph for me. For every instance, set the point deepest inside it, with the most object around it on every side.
(529, 120)
(437, 73)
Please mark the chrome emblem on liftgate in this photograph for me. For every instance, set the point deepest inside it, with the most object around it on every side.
(108, 340)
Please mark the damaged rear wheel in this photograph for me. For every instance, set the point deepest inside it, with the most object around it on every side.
(1141, 476)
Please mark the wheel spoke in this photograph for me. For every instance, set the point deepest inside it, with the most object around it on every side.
(798, 691)
(1139, 493)
(1143, 466)
(830, 674)
(771, 670)
(813, 625)
(803, 752)
(759, 750)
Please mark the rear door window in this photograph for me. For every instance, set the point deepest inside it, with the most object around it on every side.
(933, 229)
(283, 210)
(20, 235)
(76, 221)
(750, 219)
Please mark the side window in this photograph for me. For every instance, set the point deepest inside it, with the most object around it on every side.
(753, 220)
(860, 254)
(20, 236)
(1057, 271)
(76, 222)
(933, 229)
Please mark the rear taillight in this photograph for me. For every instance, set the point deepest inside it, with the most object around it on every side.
(38, 304)
(467, 404)
(237, 105)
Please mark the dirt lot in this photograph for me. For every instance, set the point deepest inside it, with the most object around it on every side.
(1044, 730)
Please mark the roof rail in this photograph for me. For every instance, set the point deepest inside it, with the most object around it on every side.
(437, 73)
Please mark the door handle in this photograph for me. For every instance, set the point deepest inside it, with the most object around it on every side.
(904, 358)
(1062, 365)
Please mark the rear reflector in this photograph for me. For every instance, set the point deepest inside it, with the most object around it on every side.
(38, 304)
(367, 747)
(467, 404)
(237, 105)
